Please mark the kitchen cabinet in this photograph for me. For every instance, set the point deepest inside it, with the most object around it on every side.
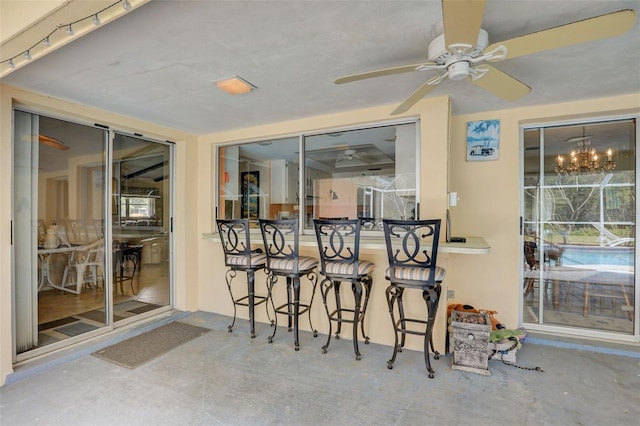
(284, 182)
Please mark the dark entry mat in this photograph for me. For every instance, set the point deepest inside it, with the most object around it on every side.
(57, 323)
(146, 308)
(44, 339)
(137, 350)
(98, 316)
(76, 329)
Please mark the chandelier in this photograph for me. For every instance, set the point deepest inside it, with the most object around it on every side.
(584, 160)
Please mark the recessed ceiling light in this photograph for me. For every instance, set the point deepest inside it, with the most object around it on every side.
(235, 85)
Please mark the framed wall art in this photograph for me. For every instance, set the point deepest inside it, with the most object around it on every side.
(483, 140)
(250, 208)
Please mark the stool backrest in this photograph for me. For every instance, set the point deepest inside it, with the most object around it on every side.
(412, 244)
(338, 243)
(234, 235)
(281, 241)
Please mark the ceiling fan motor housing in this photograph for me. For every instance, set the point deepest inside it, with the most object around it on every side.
(458, 70)
(457, 57)
(439, 53)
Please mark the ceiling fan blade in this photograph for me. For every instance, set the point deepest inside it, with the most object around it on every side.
(380, 73)
(462, 21)
(599, 27)
(413, 98)
(501, 84)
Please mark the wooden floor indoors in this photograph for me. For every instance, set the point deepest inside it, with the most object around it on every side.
(58, 308)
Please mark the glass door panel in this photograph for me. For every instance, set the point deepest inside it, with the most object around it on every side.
(141, 220)
(579, 226)
(59, 249)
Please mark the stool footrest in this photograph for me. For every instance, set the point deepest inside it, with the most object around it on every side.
(405, 330)
(333, 316)
(302, 309)
(258, 300)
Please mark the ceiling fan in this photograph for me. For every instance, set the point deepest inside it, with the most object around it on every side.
(462, 50)
(351, 157)
(52, 142)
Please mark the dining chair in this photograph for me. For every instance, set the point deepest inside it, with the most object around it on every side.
(127, 257)
(339, 248)
(83, 266)
(281, 245)
(98, 226)
(239, 257)
(79, 231)
(412, 250)
(42, 232)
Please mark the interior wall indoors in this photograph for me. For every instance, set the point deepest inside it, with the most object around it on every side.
(185, 230)
(434, 117)
(489, 201)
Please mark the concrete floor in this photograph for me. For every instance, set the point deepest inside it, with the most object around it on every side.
(230, 379)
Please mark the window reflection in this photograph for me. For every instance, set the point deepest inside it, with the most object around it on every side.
(365, 173)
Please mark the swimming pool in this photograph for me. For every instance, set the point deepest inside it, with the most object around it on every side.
(575, 255)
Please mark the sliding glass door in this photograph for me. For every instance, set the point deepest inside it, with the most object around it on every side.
(60, 272)
(141, 225)
(579, 227)
(91, 231)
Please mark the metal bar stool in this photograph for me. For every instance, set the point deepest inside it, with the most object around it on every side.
(412, 265)
(283, 260)
(129, 252)
(339, 247)
(238, 256)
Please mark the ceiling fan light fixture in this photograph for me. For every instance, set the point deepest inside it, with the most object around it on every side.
(235, 85)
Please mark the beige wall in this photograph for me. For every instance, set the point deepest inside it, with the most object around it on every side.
(15, 17)
(489, 201)
(214, 297)
(186, 193)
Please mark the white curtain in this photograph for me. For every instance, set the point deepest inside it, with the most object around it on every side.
(25, 229)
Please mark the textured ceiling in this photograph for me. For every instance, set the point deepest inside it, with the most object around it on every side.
(158, 62)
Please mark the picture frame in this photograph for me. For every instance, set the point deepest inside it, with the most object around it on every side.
(250, 189)
(483, 140)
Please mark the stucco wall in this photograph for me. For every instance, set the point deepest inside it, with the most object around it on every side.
(489, 201)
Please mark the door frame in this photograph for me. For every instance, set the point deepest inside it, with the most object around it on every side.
(109, 326)
(634, 337)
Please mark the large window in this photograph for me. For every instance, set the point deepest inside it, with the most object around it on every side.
(367, 173)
